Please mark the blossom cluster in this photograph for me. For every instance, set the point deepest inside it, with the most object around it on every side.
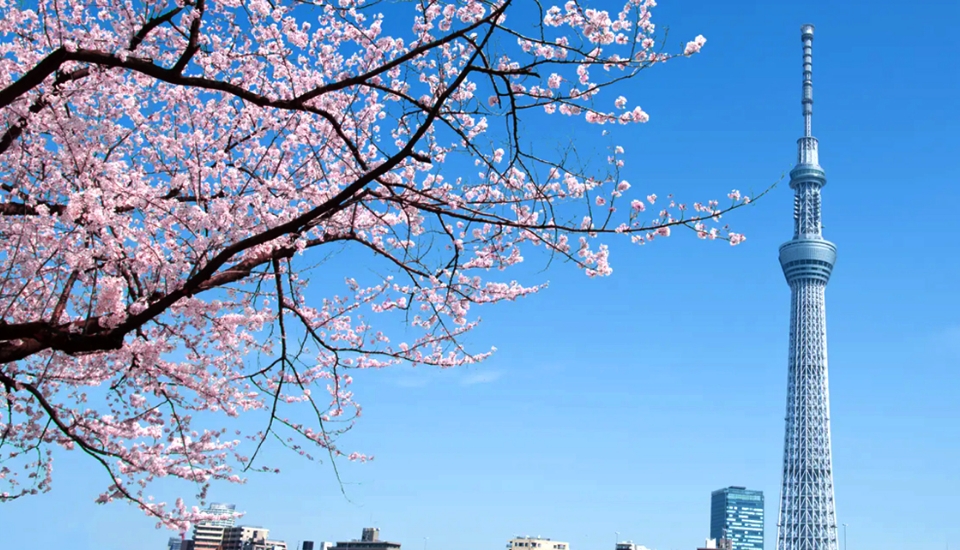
(169, 169)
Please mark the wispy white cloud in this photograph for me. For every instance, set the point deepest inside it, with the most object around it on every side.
(412, 381)
(483, 377)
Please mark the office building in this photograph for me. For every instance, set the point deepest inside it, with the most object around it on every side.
(717, 544)
(736, 514)
(369, 540)
(235, 538)
(207, 537)
(247, 537)
(265, 544)
(226, 515)
(536, 543)
(208, 534)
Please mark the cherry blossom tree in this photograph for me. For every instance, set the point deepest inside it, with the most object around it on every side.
(170, 170)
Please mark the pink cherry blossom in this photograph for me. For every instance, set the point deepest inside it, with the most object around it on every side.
(174, 172)
(736, 238)
(695, 45)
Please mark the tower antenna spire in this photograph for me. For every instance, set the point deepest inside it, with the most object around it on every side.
(806, 34)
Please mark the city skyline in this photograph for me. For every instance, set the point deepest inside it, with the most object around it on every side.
(619, 404)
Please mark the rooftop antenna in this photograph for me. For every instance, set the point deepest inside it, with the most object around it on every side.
(806, 34)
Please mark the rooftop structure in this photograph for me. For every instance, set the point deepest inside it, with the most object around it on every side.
(369, 540)
(717, 544)
(535, 543)
(240, 537)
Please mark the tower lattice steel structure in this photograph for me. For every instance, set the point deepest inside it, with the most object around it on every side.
(807, 519)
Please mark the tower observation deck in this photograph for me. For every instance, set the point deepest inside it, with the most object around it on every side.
(807, 519)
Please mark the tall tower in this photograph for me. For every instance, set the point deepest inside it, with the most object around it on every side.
(808, 519)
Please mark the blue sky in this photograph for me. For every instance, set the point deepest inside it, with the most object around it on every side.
(617, 405)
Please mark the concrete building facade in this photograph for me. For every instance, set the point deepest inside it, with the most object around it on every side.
(717, 544)
(247, 537)
(536, 543)
(235, 538)
(207, 537)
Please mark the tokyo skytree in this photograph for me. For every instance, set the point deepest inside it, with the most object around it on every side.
(808, 519)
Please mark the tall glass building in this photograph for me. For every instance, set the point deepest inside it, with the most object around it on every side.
(227, 513)
(736, 514)
(208, 534)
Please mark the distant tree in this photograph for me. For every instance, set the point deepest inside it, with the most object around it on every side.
(169, 168)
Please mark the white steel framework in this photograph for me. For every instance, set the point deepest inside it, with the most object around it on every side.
(808, 519)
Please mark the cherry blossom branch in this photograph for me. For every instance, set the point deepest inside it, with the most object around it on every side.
(94, 340)
(153, 23)
(169, 176)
